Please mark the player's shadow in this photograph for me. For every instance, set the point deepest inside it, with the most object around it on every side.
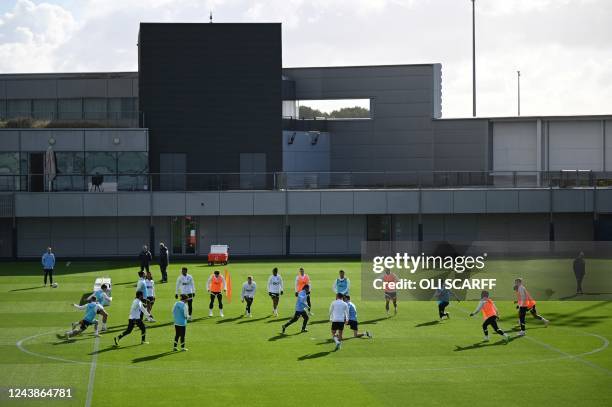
(26, 289)
(373, 321)
(321, 321)
(281, 336)
(125, 283)
(113, 348)
(315, 355)
(570, 297)
(153, 357)
(330, 341)
(253, 320)
(278, 320)
(430, 323)
(480, 345)
(227, 320)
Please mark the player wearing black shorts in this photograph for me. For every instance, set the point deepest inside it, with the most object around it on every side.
(352, 319)
(338, 315)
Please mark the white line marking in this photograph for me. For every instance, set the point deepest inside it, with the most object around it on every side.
(575, 357)
(92, 372)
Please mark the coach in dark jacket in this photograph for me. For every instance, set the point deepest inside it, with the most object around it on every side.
(145, 258)
(579, 271)
(163, 262)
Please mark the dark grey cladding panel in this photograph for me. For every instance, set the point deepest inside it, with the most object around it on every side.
(30, 89)
(399, 134)
(461, 145)
(215, 96)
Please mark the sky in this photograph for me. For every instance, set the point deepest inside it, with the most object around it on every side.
(563, 48)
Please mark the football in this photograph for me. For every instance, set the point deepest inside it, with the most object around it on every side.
(54, 285)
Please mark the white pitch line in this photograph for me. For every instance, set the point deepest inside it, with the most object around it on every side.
(574, 357)
(92, 372)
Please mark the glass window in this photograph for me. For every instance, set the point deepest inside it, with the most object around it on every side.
(69, 163)
(2, 109)
(70, 109)
(130, 165)
(101, 163)
(9, 166)
(94, 108)
(44, 109)
(123, 108)
(19, 108)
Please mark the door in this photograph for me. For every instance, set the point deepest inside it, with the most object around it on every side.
(36, 172)
(184, 235)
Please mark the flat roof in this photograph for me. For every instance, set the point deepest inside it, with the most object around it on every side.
(529, 118)
(69, 75)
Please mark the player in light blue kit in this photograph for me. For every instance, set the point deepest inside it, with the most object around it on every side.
(301, 308)
(180, 313)
(92, 308)
(102, 297)
(342, 285)
(352, 319)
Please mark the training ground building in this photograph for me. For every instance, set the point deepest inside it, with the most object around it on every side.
(205, 145)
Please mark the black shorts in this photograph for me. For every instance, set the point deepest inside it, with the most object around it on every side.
(353, 325)
(84, 324)
(151, 300)
(273, 295)
(391, 295)
(337, 326)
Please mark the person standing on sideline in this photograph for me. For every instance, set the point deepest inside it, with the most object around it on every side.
(48, 263)
(579, 271)
(275, 289)
(338, 316)
(301, 306)
(163, 262)
(342, 284)
(180, 313)
(136, 311)
(248, 294)
(302, 280)
(214, 285)
(145, 258)
(185, 284)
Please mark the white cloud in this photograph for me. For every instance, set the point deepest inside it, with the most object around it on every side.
(30, 35)
(563, 47)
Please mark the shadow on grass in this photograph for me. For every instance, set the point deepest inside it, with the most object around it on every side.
(430, 323)
(321, 321)
(278, 320)
(315, 355)
(480, 345)
(330, 341)
(374, 321)
(227, 320)
(253, 320)
(282, 335)
(27, 289)
(153, 357)
(112, 348)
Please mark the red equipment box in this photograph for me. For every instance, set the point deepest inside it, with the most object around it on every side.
(218, 254)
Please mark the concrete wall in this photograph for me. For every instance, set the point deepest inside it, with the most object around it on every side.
(576, 145)
(90, 139)
(398, 137)
(337, 202)
(69, 85)
(515, 146)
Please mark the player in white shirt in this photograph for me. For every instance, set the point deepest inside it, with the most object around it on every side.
(275, 289)
(338, 315)
(248, 294)
(150, 284)
(185, 285)
(136, 310)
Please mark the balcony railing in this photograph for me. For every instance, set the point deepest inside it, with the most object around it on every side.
(47, 119)
(113, 182)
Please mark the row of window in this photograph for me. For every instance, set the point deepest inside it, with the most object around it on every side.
(75, 171)
(70, 109)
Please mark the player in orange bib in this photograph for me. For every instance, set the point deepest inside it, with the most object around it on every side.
(214, 285)
(389, 281)
(525, 303)
(490, 316)
(302, 280)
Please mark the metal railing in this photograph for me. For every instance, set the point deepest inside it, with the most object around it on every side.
(121, 118)
(112, 182)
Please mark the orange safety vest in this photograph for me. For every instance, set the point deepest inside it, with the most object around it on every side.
(488, 309)
(216, 284)
(389, 278)
(528, 301)
(302, 281)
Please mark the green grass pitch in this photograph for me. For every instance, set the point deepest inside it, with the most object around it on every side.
(412, 360)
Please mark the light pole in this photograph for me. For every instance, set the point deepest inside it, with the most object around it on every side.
(518, 83)
(473, 58)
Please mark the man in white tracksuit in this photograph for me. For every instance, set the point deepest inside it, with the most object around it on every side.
(338, 315)
(248, 294)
